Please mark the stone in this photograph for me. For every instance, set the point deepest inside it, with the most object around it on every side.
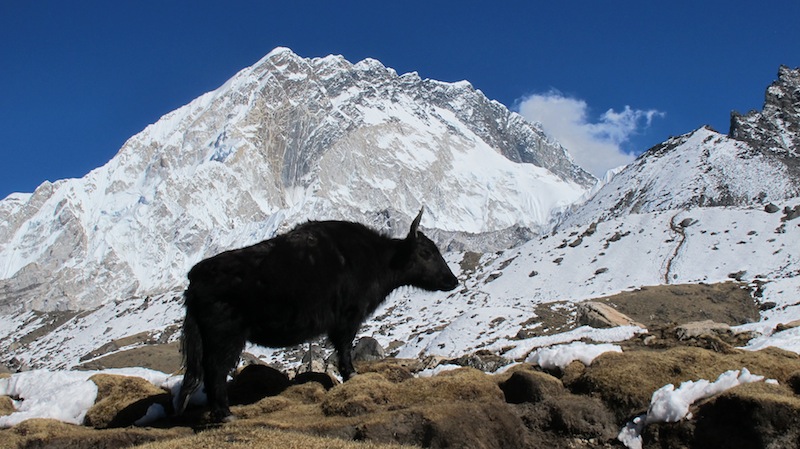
(697, 329)
(255, 382)
(368, 349)
(600, 315)
(313, 361)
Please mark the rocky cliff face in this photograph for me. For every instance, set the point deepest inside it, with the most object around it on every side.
(777, 127)
(286, 140)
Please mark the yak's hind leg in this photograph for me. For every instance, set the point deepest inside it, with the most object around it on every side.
(219, 359)
(342, 341)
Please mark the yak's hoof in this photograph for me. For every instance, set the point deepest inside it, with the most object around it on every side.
(222, 416)
(348, 376)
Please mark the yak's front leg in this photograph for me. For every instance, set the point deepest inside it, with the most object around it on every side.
(343, 343)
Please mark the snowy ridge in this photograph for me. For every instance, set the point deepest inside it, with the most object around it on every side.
(702, 168)
(286, 140)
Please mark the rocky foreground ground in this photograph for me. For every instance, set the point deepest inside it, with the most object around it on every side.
(387, 406)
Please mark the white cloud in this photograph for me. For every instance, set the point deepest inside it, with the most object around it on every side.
(597, 147)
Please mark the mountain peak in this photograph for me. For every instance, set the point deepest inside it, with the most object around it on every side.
(286, 140)
(777, 127)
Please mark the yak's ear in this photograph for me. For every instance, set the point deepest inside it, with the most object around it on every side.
(412, 233)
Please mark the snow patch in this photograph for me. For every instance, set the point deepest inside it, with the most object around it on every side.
(62, 395)
(560, 356)
(669, 404)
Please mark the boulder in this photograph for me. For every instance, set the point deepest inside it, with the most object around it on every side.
(601, 315)
(255, 382)
(697, 329)
(313, 361)
(368, 349)
(485, 361)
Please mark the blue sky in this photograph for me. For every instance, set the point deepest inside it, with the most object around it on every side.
(79, 78)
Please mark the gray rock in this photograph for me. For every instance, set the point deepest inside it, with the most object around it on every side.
(483, 360)
(697, 329)
(313, 361)
(368, 349)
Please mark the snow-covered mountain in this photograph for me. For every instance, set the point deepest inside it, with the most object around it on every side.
(286, 140)
(695, 209)
(756, 163)
(701, 169)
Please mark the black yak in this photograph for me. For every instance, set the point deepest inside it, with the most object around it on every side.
(321, 278)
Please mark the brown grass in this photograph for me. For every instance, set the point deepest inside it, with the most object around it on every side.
(461, 408)
(385, 405)
(248, 437)
(726, 302)
(6, 406)
(626, 381)
(48, 433)
(455, 409)
(161, 357)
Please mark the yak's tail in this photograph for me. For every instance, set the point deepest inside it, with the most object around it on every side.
(192, 349)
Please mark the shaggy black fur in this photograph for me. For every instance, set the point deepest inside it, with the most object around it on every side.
(321, 278)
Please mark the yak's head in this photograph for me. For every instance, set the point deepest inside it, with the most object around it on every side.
(421, 262)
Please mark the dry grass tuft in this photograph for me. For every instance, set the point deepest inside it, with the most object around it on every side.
(533, 386)
(308, 393)
(121, 400)
(454, 409)
(390, 369)
(463, 384)
(365, 393)
(6, 406)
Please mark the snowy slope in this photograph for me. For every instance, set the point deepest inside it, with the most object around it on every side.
(286, 140)
(501, 291)
(702, 168)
